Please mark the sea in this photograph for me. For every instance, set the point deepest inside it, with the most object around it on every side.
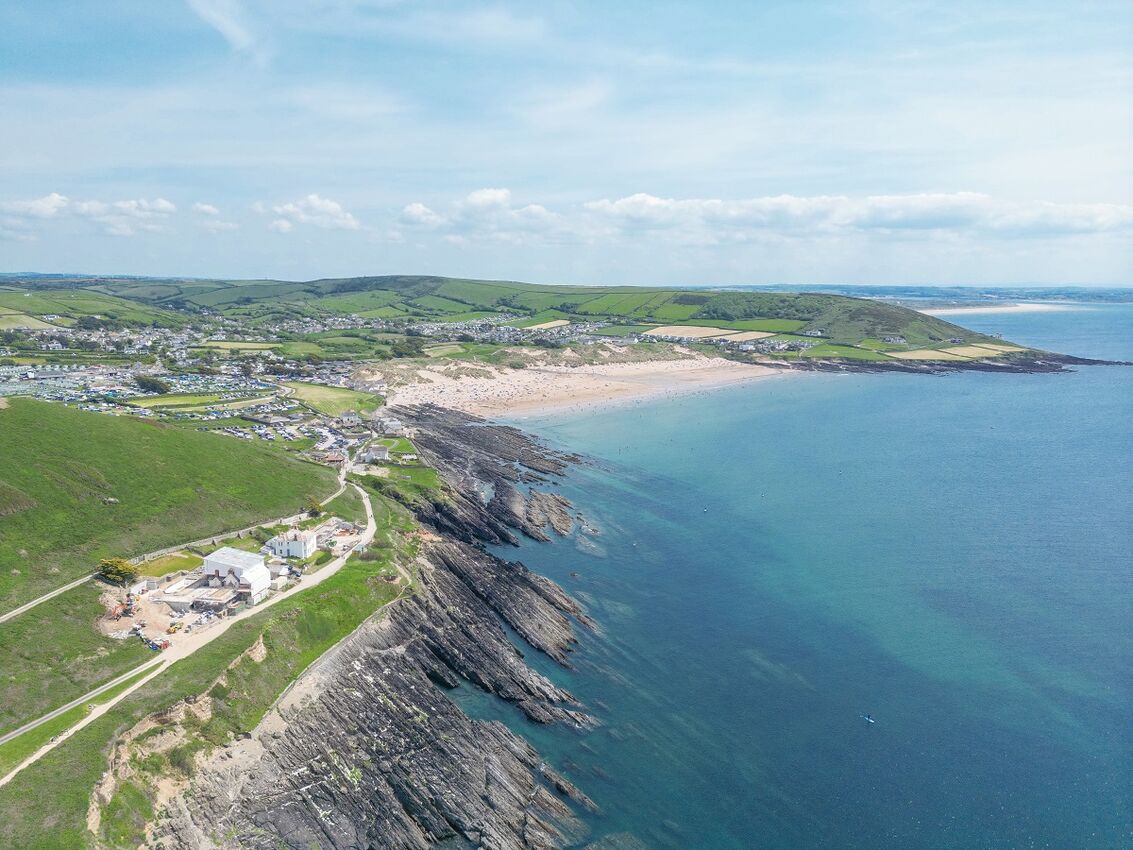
(949, 555)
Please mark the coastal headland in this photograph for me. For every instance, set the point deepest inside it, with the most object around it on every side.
(308, 708)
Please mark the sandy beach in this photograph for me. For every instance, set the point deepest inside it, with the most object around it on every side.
(1032, 307)
(494, 391)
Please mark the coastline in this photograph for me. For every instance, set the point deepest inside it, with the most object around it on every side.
(537, 390)
(1027, 307)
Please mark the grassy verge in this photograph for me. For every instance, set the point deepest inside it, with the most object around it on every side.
(53, 654)
(294, 632)
(18, 749)
(349, 506)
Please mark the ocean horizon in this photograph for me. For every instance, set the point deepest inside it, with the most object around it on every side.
(948, 555)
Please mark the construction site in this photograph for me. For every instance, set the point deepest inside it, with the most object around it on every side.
(158, 609)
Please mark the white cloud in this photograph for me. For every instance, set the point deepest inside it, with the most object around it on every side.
(958, 212)
(205, 209)
(316, 211)
(117, 218)
(45, 207)
(488, 198)
(229, 19)
(216, 225)
(487, 214)
(282, 225)
(419, 214)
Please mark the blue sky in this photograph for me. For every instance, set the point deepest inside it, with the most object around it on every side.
(588, 142)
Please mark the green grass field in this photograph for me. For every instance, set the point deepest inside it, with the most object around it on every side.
(61, 468)
(347, 505)
(18, 749)
(76, 303)
(398, 445)
(333, 401)
(53, 654)
(17, 321)
(167, 564)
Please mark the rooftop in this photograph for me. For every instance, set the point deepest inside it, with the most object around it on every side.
(238, 559)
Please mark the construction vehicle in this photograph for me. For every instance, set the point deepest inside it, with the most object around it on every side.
(174, 627)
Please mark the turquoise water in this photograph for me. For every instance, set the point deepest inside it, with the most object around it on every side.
(949, 554)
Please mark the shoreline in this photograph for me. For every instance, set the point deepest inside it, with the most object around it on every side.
(1026, 307)
(541, 390)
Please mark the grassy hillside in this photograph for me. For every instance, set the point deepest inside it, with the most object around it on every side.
(25, 308)
(61, 468)
(840, 320)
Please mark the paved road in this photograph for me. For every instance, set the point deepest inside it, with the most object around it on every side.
(186, 645)
(27, 727)
(27, 606)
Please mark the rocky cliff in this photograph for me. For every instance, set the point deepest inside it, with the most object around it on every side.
(366, 750)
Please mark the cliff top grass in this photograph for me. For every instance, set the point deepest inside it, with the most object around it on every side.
(76, 487)
(333, 401)
(295, 633)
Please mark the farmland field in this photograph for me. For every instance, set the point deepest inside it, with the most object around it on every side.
(843, 351)
(15, 321)
(622, 330)
(691, 331)
(925, 354)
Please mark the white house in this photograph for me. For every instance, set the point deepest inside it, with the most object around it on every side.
(293, 544)
(374, 453)
(228, 567)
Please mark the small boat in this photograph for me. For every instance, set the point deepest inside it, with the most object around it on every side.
(868, 718)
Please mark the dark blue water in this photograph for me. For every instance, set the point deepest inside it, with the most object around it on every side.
(949, 554)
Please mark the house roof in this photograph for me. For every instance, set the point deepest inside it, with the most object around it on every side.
(234, 559)
(297, 534)
(256, 579)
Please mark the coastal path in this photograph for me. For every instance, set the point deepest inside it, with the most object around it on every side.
(27, 606)
(190, 643)
(63, 709)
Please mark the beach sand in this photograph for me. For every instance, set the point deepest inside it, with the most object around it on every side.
(996, 308)
(543, 388)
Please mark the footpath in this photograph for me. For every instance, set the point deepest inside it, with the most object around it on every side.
(185, 646)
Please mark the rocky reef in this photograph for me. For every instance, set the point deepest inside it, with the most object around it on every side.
(366, 750)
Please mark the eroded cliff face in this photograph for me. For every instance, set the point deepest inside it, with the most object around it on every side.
(366, 750)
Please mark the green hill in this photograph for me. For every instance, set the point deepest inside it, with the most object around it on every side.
(76, 487)
(841, 320)
(64, 307)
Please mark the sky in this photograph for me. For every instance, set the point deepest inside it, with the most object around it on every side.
(851, 142)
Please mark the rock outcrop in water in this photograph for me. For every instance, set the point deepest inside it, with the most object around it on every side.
(366, 750)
